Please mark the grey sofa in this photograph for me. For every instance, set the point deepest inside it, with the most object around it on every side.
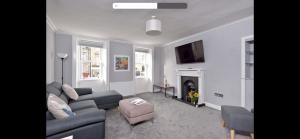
(89, 122)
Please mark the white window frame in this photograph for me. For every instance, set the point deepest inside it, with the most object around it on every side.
(145, 64)
(75, 63)
(79, 63)
(90, 61)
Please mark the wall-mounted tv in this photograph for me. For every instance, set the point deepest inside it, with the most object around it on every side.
(190, 53)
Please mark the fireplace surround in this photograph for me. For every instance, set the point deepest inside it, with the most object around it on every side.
(190, 79)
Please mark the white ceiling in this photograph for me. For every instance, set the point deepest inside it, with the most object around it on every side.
(96, 18)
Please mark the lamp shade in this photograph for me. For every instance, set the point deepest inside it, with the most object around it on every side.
(62, 55)
(153, 26)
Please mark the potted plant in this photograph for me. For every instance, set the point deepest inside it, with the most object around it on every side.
(194, 95)
(85, 74)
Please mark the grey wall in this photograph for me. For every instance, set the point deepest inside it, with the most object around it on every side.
(50, 54)
(222, 50)
(63, 44)
(118, 48)
(158, 65)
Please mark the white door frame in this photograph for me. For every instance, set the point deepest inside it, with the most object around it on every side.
(151, 51)
(243, 76)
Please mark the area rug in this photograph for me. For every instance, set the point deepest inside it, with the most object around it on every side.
(172, 120)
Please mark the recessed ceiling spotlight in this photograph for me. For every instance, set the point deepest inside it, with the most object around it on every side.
(153, 26)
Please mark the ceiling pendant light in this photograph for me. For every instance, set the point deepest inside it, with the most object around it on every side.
(153, 26)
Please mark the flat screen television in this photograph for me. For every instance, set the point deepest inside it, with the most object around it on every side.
(190, 53)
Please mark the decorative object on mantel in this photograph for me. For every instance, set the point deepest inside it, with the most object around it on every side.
(165, 81)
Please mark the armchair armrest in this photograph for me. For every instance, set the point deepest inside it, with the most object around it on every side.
(83, 91)
(82, 119)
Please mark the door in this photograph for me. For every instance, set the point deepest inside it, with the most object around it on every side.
(247, 72)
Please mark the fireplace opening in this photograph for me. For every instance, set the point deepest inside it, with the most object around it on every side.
(189, 91)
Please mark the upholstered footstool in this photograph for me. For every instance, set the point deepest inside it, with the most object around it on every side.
(237, 119)
(136, 113)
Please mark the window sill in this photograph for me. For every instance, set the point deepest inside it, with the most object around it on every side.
(89, 79)
(141, 77)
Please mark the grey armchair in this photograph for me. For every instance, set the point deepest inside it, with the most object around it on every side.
(238, 119)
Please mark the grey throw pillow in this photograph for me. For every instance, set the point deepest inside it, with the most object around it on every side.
(58, 107)
(70, 91)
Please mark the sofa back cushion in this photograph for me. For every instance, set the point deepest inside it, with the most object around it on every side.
(56, 89)
(49, 116)
(53, 90)
(64, 97)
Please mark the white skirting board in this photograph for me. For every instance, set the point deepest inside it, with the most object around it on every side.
(124, 88)
(217, 107)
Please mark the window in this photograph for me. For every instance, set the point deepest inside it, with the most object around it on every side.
(91, 65)
(140, 64)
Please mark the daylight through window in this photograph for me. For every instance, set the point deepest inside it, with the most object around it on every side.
(91, 62)
(140, 64)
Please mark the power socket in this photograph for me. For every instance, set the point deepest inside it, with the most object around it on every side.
(218, 94)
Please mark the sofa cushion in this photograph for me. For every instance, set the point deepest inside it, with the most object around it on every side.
(77, 105)
(58, 107)
(238, 118)
(53, 90)
(56, 89)
(103, 98)
(88, 110)
(49, 116)
(64, 97)
(70, 92)
(83, 91)
(57, 85)
(83, 118)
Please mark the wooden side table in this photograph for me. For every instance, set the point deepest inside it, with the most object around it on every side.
(164, 88)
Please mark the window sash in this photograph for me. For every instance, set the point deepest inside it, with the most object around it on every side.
(91, 69)
(138, 61)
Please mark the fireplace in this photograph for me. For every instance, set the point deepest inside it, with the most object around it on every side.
(190, 86)
(189, 89)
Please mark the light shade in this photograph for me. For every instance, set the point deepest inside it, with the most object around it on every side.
(62, 55)
(153, 26)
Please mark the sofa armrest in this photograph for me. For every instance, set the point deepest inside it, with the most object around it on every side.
(83, 91)
(83, 119)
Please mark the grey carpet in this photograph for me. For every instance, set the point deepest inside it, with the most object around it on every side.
(172, 120)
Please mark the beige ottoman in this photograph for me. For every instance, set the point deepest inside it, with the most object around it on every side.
(136, 113)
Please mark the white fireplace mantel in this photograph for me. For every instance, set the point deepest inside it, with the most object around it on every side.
(193, 72)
